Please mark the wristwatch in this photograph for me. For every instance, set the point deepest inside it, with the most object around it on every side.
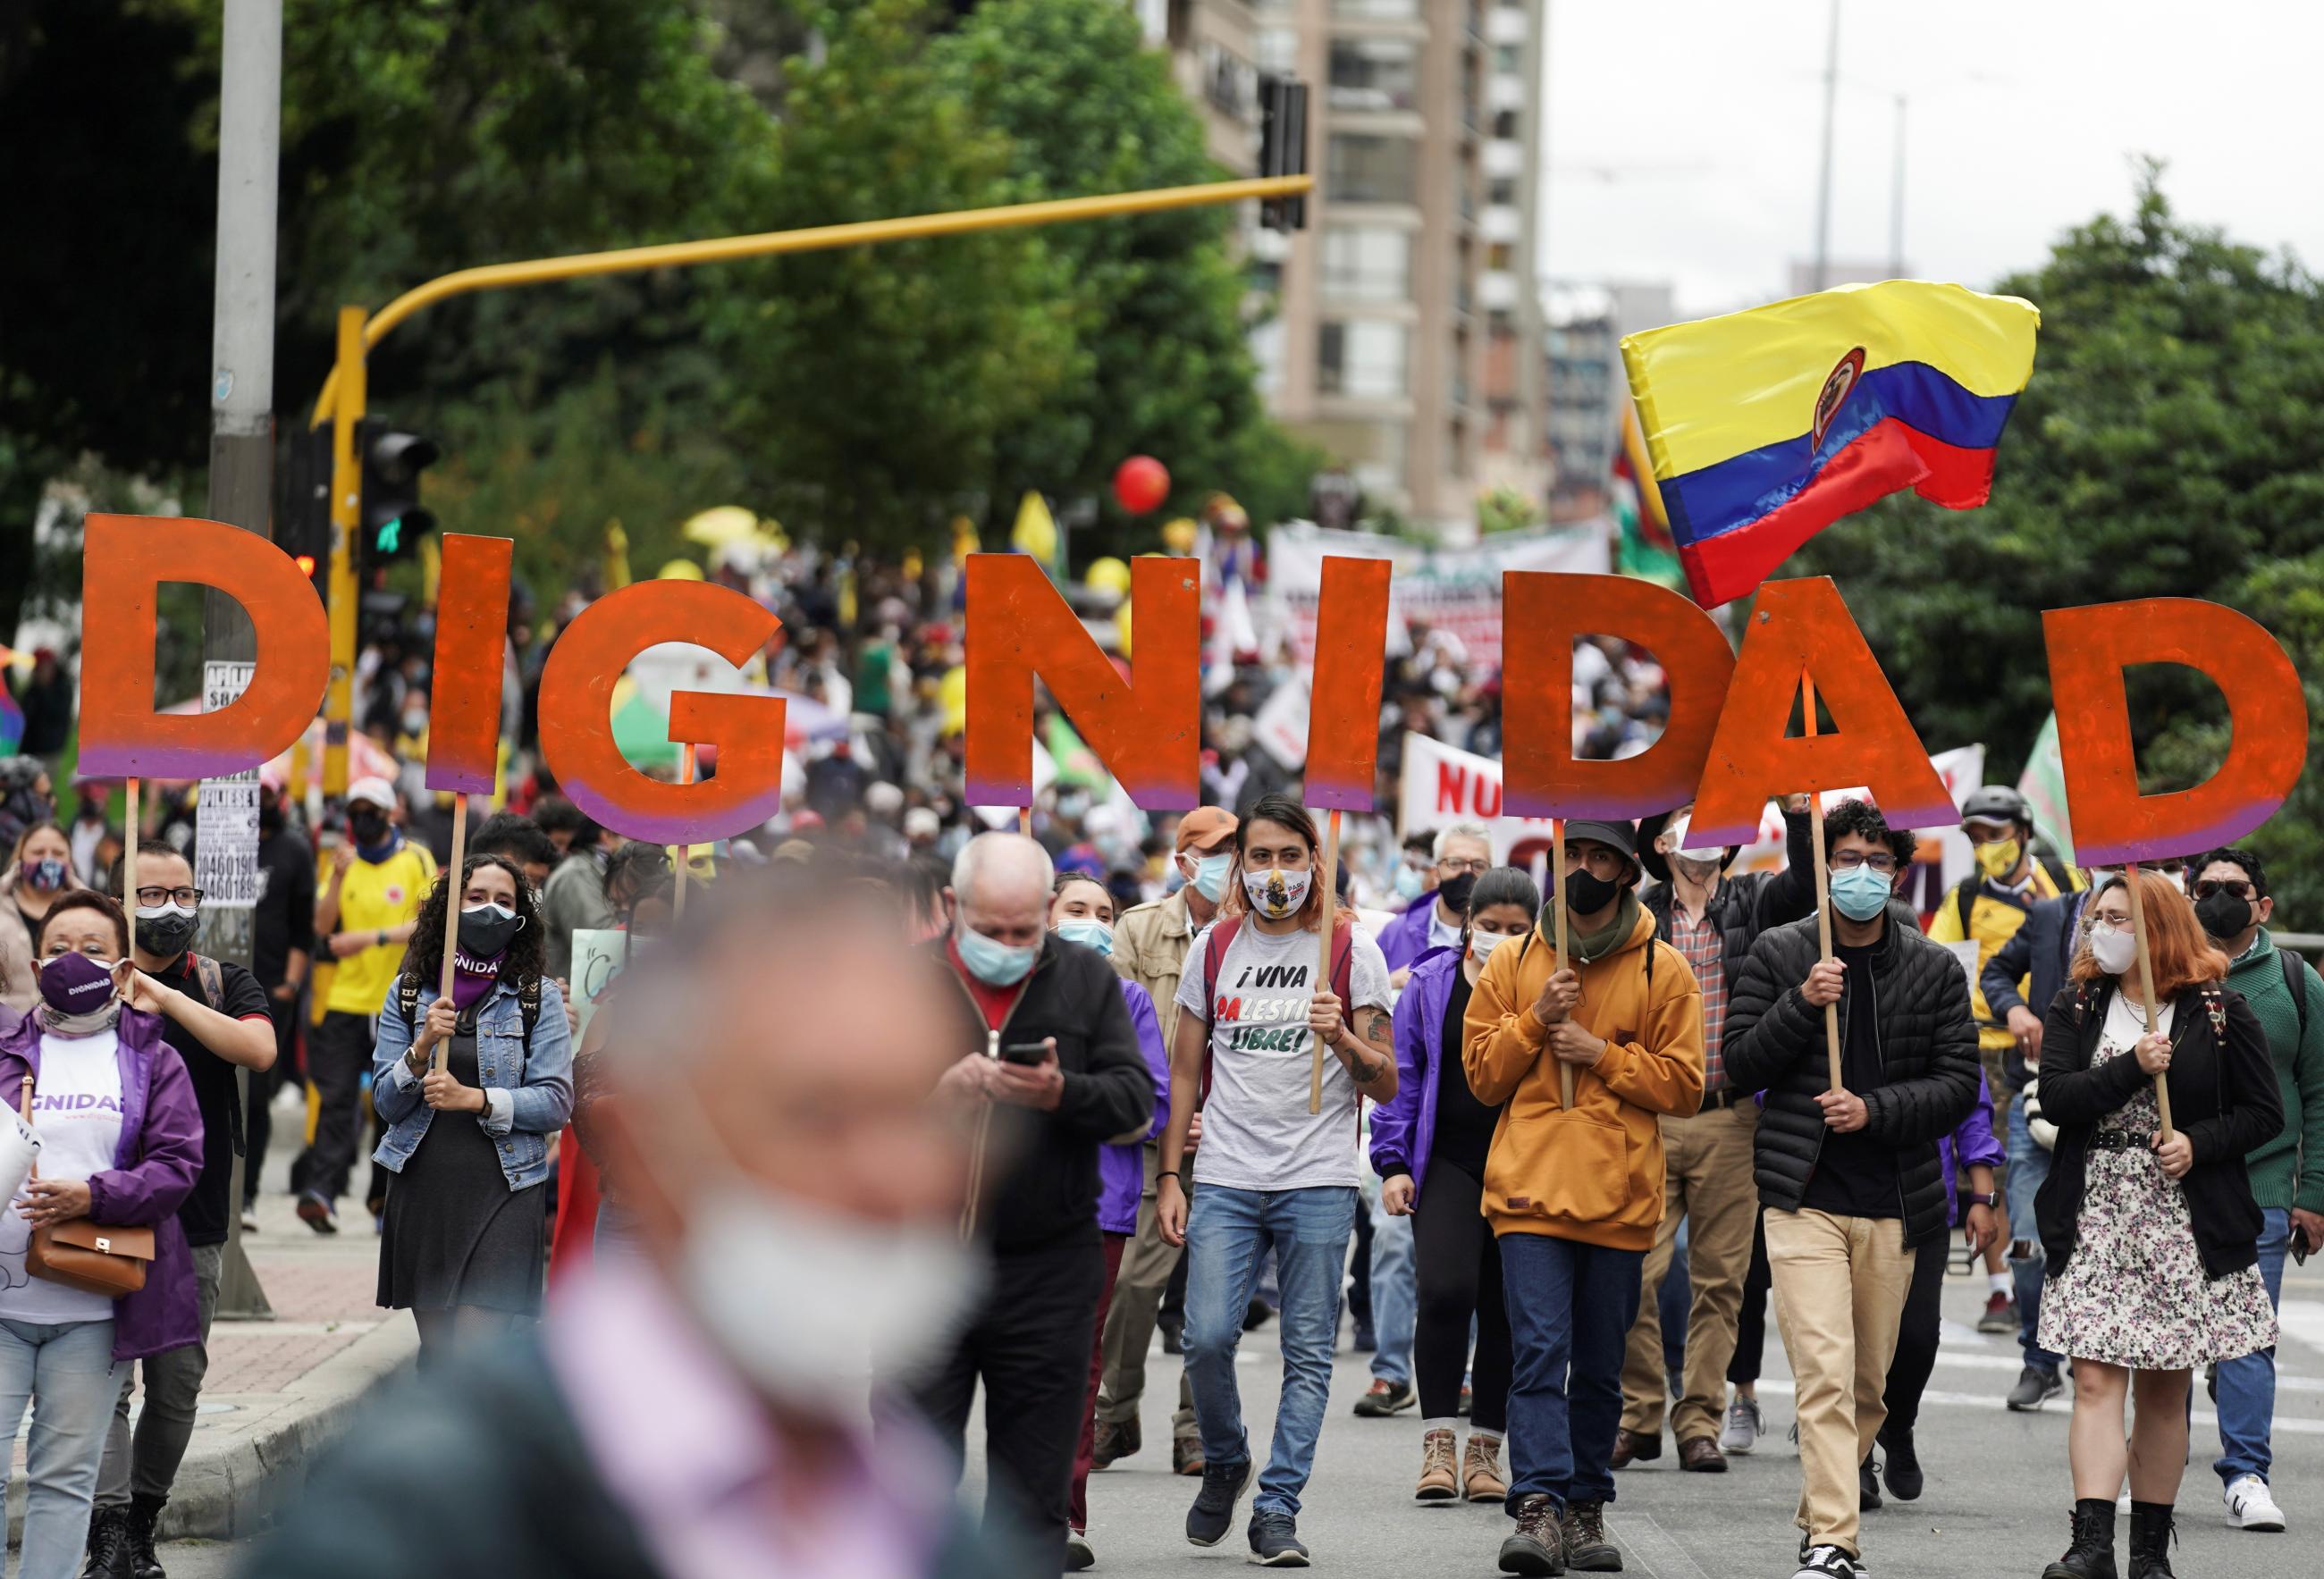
(1984, 1198)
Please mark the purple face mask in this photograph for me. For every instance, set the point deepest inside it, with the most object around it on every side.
(74, 984)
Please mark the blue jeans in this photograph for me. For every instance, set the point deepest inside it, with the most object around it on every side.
(1228, 1233)
(1396, 1296)
(2029, 1165)
(1570, 1306)
(66, 1370)
(2247, 1402)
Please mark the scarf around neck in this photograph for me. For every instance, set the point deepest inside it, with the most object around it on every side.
(1591, 946)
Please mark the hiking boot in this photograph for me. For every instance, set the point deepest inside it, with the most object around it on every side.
(2150, 1540)
(2251, 1506)
(1185, 1456)
(2036, 1385)
(1115, 1439)
(108, 1546)
(1636, 1448)
(1587, 1549)
(1537, 1546)
(1482, 1479)
(2091, 1554)
(1439, 1483)
(1902, 1471)
(1868, 1483)
(1213, 1514)
(2000, 1314)
(1387, 1398)
(145, 1514)
(1701, 1456)
(1744, 1425)
(1275, 1541)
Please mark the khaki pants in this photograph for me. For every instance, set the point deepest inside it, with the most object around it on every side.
(1147, 1263)
(1708, 1183)
(1839, 1286)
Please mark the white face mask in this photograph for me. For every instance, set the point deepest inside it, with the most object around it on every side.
(1680, 827)
(2115, 948)
(1482, 944)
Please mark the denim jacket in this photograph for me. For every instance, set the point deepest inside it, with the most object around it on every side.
(527, 1098)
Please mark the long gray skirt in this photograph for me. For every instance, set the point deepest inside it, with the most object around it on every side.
(455, 1233)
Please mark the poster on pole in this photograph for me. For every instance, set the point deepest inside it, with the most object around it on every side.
(1455, 591)
(225, 817)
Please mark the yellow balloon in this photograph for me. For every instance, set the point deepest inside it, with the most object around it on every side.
(1178, 536)
(1109, 575)
(1122, 626)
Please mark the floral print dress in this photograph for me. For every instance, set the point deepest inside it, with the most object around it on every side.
(2135, 1294)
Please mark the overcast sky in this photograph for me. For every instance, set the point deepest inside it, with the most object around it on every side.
(1682, 136)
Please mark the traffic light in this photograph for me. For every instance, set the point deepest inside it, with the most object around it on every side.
(1282, 147)
(303, 528)
(392, 522)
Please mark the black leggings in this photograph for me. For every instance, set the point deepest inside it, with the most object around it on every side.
(1459, 1276)
(1751, 1323)
(1916, 1338)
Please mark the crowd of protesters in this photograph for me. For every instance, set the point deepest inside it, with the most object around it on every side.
(1554, 1173)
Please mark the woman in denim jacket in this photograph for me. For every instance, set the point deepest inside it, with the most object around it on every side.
(467, 1230)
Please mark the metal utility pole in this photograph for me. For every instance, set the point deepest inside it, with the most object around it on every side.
(1896, 200)
(1824, 185)
(242, 493)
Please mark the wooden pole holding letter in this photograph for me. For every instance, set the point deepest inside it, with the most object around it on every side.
(1565, 940)
(130, 838)
(2147, 986)
(454, 890)
(1822, 883)
(678, 893)
(1329, 879)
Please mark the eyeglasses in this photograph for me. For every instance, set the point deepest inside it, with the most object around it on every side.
(2237, 886)
(186, 897)
(1848, 860)
(1455, 868)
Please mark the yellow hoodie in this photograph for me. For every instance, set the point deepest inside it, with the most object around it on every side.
(1593, 1174)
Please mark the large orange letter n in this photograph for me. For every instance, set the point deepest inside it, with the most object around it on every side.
(1147, 731)
(576, 734)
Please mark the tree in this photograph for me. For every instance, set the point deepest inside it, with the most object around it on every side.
(2169, 442)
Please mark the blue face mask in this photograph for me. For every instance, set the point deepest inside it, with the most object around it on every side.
(1859, 893)
(991, 963)
(1210, 878)
(1088, 932)
(1408, 883)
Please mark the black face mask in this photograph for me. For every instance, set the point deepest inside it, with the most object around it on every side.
(487, 931)
(367, 825)
(165, 935)
(1587, 893)
(1455, 893)
(2223, 914)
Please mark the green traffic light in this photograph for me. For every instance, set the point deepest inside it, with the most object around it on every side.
(389, 535)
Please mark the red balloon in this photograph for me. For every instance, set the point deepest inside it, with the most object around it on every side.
(1141, 483)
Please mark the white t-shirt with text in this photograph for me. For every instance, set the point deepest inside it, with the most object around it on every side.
(76, 1111)
(1257, 1131)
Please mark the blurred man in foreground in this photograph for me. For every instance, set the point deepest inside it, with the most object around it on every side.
(699, 1408)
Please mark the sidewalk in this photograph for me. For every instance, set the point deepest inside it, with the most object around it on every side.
(278, 1390)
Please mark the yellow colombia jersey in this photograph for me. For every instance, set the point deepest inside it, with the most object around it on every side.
(1993, 920)
(374, 897)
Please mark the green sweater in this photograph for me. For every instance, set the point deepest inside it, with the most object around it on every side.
(2289, 1171)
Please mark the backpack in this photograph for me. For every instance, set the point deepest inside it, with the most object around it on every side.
(1221, 937)
(1966, 891)
(2295, 981)
(528, 1003)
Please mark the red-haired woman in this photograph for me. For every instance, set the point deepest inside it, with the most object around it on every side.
(2152, 1242)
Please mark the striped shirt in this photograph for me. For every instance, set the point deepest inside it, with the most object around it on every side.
(1706, 951)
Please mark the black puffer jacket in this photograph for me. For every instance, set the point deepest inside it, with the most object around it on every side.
(1928, 1047)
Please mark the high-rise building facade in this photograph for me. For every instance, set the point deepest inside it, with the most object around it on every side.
(1404, 329)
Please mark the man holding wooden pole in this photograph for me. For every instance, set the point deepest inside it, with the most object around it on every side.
(1857, 1029)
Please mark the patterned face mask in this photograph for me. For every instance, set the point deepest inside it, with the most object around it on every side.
(1276, 895)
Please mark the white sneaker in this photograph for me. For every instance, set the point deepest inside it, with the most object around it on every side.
(1744, 1425)
(2250, 1507)
(1078, 1553)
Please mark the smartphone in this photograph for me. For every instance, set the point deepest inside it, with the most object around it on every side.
(1026, 1052)
(2301, 1247)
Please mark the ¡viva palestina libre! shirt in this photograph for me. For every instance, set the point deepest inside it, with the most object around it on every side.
(1257, 1131)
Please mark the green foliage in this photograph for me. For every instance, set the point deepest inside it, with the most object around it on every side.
(1505, 510)
(2171, 443)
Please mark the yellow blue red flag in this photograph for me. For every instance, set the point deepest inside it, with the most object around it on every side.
(1764, 427)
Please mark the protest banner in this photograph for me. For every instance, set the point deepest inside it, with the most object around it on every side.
(1453, 589)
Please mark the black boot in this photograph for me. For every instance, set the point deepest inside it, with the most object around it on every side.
(144, 1513)
(2150, 1540)
(2091, 1556)
(108, 1546)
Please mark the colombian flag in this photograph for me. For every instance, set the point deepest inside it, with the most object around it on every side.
(1766, 427)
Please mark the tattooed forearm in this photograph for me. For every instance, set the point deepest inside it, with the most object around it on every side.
(1373, 1061)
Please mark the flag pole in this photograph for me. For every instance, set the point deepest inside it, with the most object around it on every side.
(1822, 883)
(1331, 880)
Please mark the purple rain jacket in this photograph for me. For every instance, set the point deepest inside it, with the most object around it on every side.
(154, 1167)
(1404, 1127)
(1121, 1170)
(1970, 1142)
(1405, 941)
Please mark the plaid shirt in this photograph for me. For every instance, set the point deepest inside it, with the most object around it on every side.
(1706, 951)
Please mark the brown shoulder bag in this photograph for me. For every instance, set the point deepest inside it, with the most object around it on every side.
(85, 1256)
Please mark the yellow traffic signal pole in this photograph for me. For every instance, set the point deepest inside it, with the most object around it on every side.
(341, 402)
